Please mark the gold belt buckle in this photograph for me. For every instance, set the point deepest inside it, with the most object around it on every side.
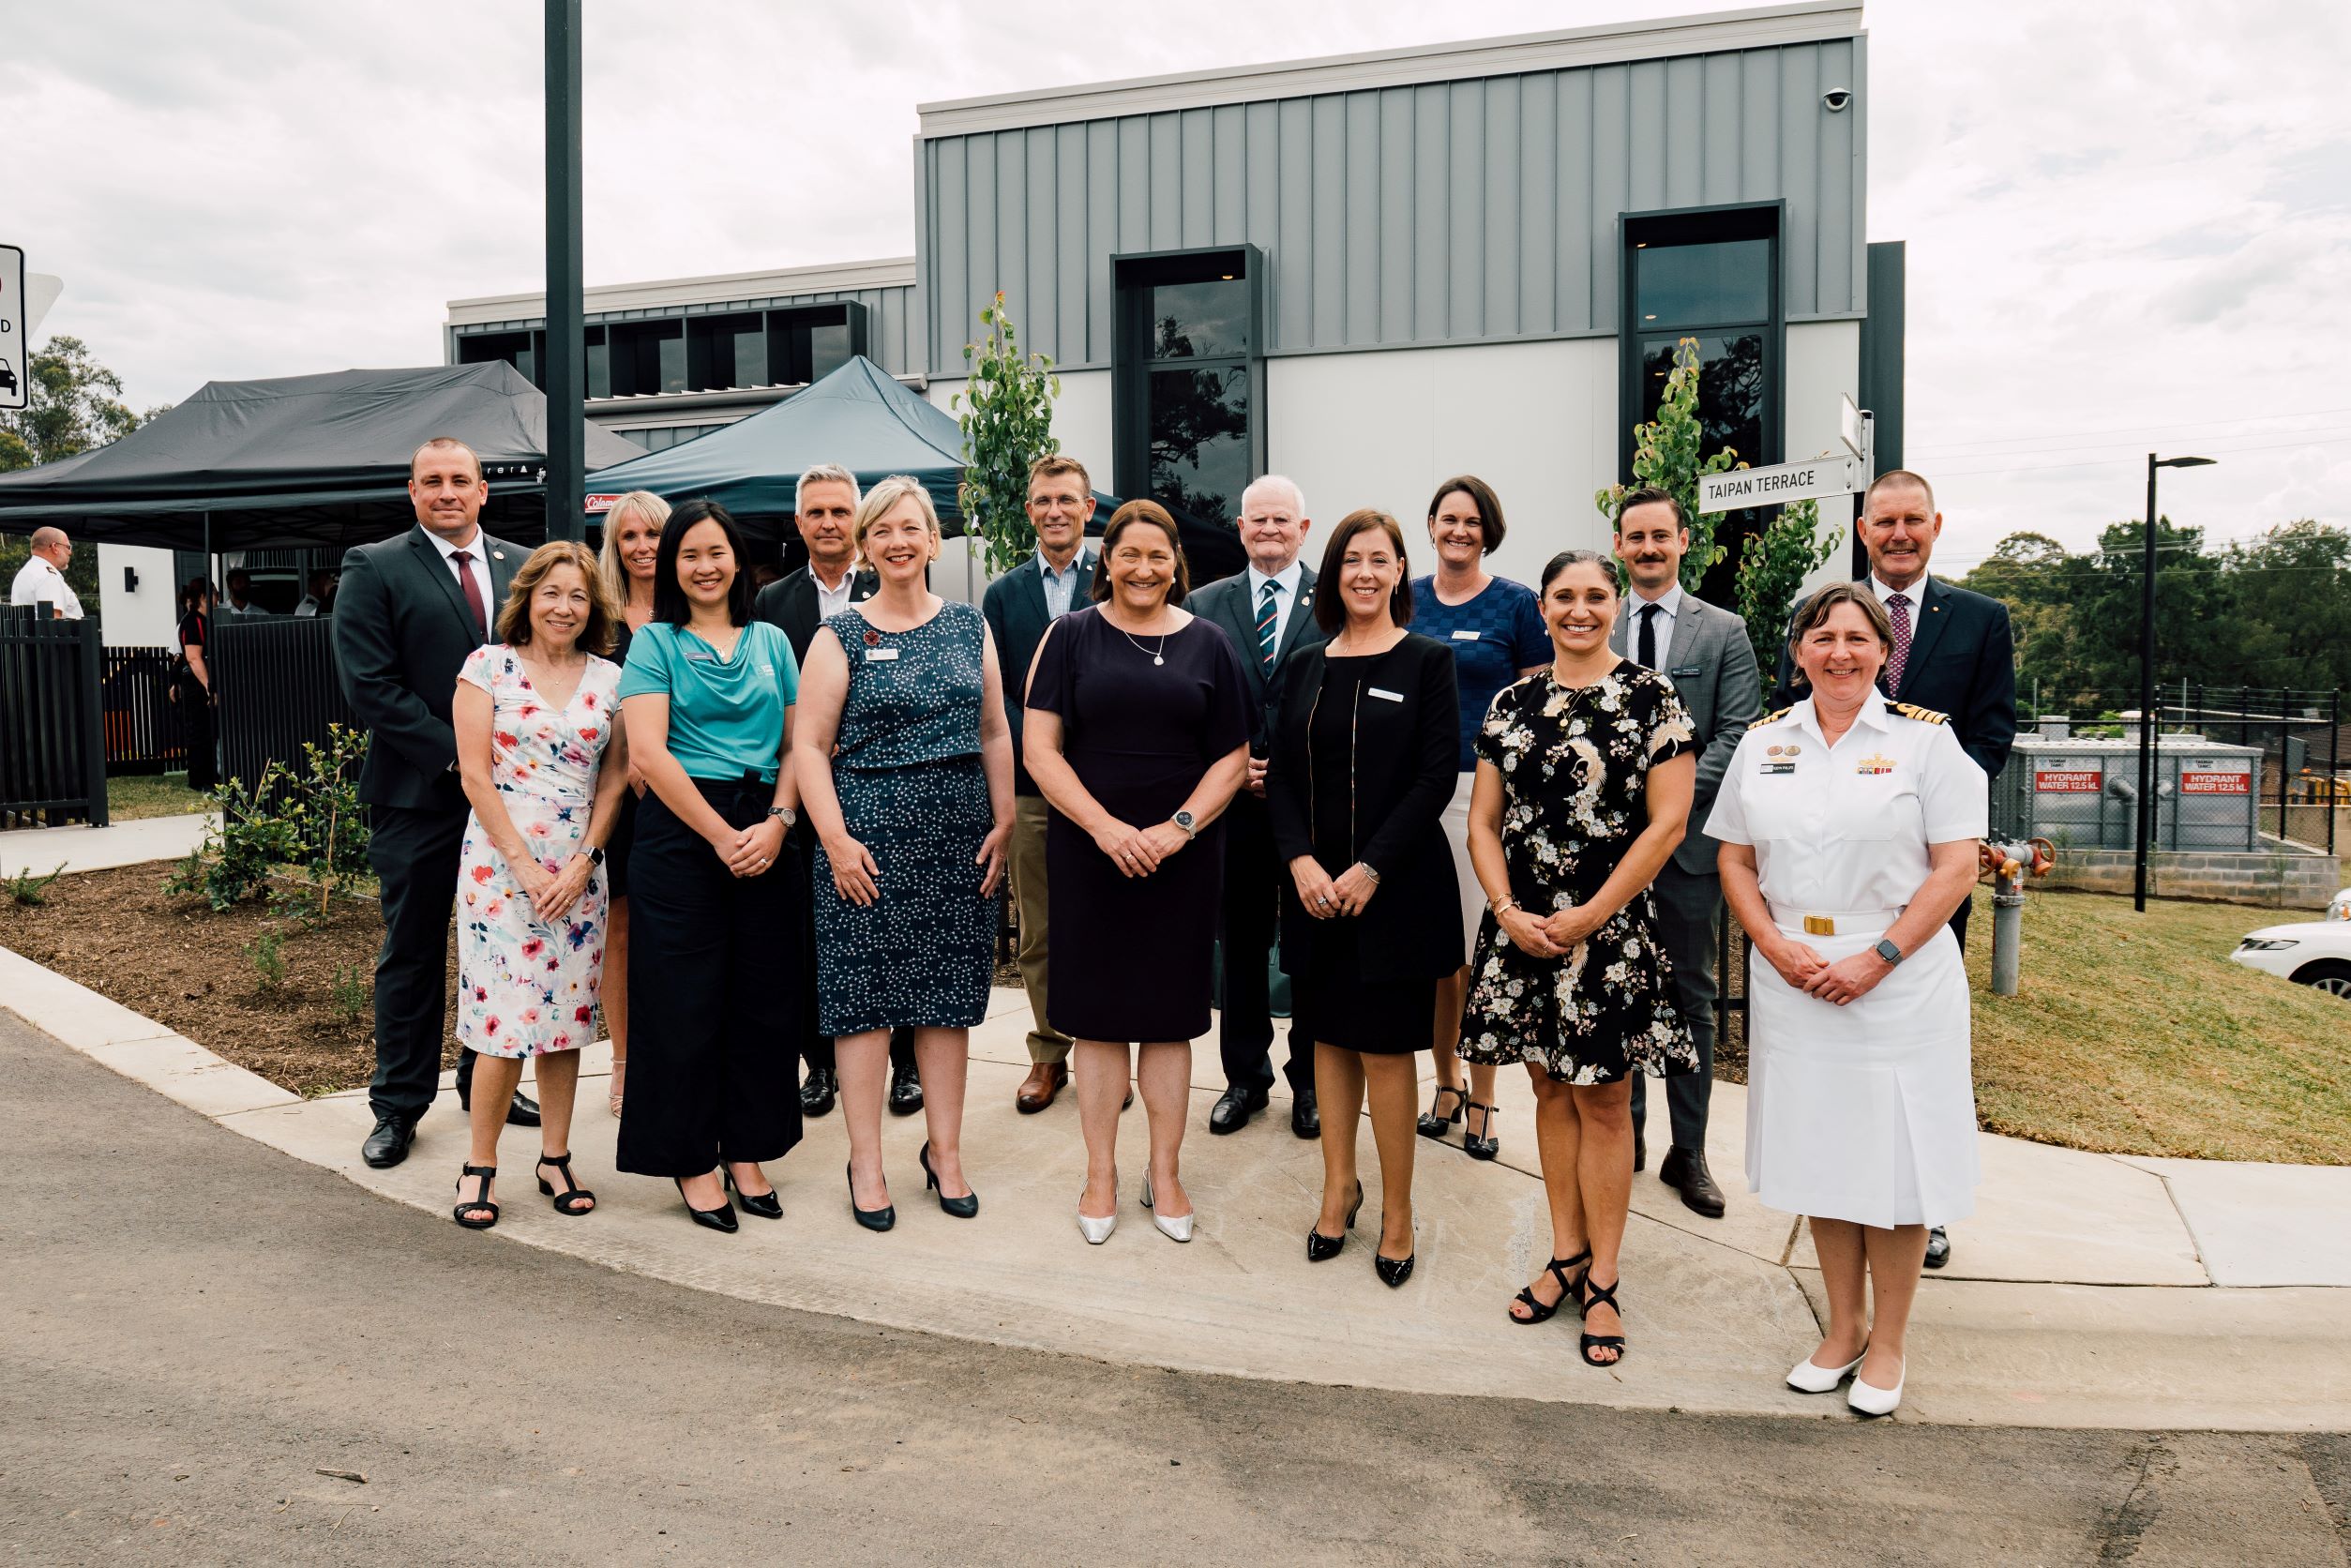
(1820, 926)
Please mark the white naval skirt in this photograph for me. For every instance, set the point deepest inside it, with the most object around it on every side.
(1865, 1112)
(1457, 820)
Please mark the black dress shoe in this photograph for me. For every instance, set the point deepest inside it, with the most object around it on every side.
(1233, 1108)
(1938, 1248)
(388, 1144)
(906, 1089)
(523, 1112)
(818, 1092)
(1306, 1118)
(1685, 1169)
(1640, 1148)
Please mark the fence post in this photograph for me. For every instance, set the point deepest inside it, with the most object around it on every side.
(89, 661)
(2334, 764)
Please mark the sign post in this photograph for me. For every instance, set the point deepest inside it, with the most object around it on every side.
(1847, 474)
(16, 327)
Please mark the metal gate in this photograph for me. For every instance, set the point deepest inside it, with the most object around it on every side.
(52, 732)
(276, 684)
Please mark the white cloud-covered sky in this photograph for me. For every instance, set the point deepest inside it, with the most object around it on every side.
(2129, 224)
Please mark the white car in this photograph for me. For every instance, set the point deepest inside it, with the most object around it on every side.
(2308, 953)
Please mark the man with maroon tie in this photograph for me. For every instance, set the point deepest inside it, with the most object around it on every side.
(410, 610)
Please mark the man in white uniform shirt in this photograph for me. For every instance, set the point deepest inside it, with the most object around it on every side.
(42, 580)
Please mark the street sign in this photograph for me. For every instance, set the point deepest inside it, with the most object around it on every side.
(1789, 481)
(1851, 427)
(15, 329)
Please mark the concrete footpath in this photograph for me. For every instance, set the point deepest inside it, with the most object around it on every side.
(43, 849)
(2087, 1291)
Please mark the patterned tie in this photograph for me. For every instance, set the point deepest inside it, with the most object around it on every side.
(1648, 654)
(1899, 608)
(1267, 620)
(464, 560)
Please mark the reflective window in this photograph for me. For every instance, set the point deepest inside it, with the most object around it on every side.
(1731, 388)
(828, 349)
(1729, 281)
(1204, 320)
(1199, 440)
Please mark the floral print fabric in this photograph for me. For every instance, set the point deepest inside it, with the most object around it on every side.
(1574, 763)
(524, 987)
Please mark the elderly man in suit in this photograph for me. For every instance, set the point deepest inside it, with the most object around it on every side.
(1704, 653)
(1955, 651)
(411, 610)
(1020, 606)
(1268, 611)
(824, 505)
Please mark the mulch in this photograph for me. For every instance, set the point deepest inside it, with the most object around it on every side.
(174, 960)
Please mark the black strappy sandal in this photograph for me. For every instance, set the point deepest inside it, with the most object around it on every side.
(1587, 1297)
(1556, 1269)
(574, 1200)
(1484, 1145)
(488, 1173)
(1435, 1122)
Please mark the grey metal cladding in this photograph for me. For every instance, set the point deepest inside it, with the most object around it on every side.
(1437, 212)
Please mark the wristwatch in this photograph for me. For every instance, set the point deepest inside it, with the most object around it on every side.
(1888, 951)
(595, 855)
(785, 815)
(1189, 823)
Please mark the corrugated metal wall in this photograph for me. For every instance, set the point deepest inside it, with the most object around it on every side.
(1453, 212)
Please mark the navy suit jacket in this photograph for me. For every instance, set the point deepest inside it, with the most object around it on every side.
(1014, 609)
(1226, 601)
(1963, 663)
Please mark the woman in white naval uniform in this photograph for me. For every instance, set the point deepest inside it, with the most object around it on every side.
(1849, 829)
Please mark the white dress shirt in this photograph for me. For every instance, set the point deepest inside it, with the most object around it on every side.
(1917, 592)
(1061, 588)
(1668, 607)
(478, 547)
(40, 582)
(832, 601)
(1284, 600)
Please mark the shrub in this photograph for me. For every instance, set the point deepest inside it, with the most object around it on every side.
(312, 819)
(1008, 418)
(269, 960)
(30, 891)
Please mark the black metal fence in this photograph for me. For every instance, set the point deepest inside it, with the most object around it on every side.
(53, 746)
(276, 688)
(145, 732)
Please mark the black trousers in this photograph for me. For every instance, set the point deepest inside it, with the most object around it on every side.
(1689, 926)
(415, 855)
(715, 995)
(204, 767)
(1252, 912)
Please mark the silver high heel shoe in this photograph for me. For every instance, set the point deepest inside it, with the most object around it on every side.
(1097, 1231)
(1174, 1230)
(1869, 1399)
(1811, 1378)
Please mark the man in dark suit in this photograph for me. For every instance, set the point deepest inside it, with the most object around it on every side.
(1704, 653)
(1020, 606)
(1954, 651)
(1268, 611)
(824, 503)
(410, 610)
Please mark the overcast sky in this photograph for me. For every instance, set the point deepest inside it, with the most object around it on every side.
(2129, 224)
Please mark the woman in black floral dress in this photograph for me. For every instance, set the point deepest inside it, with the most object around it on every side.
(1584, 783)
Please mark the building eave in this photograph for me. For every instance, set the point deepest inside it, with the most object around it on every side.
(840, 278)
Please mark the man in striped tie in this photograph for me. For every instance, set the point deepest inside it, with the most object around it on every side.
(1268, 611)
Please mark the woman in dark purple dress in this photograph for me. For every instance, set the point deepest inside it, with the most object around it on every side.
(1137, 732)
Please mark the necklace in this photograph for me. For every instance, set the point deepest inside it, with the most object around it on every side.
(1156, 657)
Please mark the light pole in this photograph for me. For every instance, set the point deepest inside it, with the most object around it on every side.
(566, 378)
(2145, 835)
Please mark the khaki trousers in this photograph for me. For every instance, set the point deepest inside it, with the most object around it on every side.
(1045, 1043)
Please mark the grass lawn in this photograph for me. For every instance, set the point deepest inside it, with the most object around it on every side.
(130, 796)
(2134, 1034)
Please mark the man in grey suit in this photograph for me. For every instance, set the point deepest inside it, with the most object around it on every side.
(1268, 611)
(1704, 653)
(1020, 606)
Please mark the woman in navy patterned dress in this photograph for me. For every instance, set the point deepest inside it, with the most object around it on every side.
(905, 764)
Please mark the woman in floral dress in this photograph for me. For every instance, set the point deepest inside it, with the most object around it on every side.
(1584, 782)
(535, 716)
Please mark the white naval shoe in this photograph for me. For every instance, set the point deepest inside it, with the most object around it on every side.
(1174, 1230)
(1869, 1399)
(1097, 1231)
(1810, 1377)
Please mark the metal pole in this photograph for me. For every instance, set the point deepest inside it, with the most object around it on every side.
(2146, 704)
(2334, 764)
(566, 358)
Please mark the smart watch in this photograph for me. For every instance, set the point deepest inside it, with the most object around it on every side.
(1888, 951)
(1189, 823)
(595, 855)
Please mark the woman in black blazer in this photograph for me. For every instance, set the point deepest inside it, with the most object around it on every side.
(1363, 760)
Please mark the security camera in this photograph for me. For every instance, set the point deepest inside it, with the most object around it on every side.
(1836, 99)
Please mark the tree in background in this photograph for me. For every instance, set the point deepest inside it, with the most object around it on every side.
(2291, 588)
(72, 405)
(1773, 566)
(1007, 414)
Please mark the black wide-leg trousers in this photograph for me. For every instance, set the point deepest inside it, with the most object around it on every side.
(715, 980)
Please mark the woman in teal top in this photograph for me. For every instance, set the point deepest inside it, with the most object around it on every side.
(714, 1052)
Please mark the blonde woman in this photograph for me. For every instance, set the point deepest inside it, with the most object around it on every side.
(632, 545)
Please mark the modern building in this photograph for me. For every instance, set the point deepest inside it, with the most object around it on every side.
(1367, 272)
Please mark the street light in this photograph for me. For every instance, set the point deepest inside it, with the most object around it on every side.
(2147, 683)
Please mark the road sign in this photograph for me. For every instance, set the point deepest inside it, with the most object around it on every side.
(15, 329)
(1789, 481)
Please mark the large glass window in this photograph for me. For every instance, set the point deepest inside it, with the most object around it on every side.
(1190, 388)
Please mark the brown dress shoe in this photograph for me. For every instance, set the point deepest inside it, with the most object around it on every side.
(1045, 1081)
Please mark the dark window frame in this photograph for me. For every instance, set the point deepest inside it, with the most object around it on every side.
(1133, 276)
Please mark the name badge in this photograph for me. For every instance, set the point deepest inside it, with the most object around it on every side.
(1385, 696)
(881, 656)
(692, 657)
(1683, 671)
(1465, 635)
(1779, 767)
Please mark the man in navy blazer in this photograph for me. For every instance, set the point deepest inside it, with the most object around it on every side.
(410, 611)
(1268, 611)
(1020, 606)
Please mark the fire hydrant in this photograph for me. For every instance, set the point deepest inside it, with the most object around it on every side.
(2010, 864)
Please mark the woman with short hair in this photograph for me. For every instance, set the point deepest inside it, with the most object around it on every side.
(707, 695)
(534, 715)
(632, 547)
(1849, 829)
(1361, 765)
(1136, 728)
(904, 756)
(1584, 783)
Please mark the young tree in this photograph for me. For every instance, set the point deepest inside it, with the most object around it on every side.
(1007, 412)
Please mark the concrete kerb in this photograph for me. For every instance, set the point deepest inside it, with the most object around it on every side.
(1718, 1310)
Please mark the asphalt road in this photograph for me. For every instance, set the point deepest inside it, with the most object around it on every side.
(192, 1327)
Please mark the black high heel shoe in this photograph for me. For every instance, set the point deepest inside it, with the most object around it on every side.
(872, 1219)
(720, 1218)
(1556, 1268)
(768, 1205)
(487, 1173)
(1587, 1296)
(1433, 1122)
(575, 1199)
(1393, 1272)
(1484, 1145)
(960, 1208)
(1321, 1248)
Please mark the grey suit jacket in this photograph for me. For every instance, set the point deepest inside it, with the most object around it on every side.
(1712, 668)
(1017, 617)
(1226, 601)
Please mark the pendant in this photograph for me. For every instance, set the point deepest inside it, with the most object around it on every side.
(1156, 661)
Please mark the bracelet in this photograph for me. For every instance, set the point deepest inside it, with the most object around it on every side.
(1504, 908)
(1368, 870)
